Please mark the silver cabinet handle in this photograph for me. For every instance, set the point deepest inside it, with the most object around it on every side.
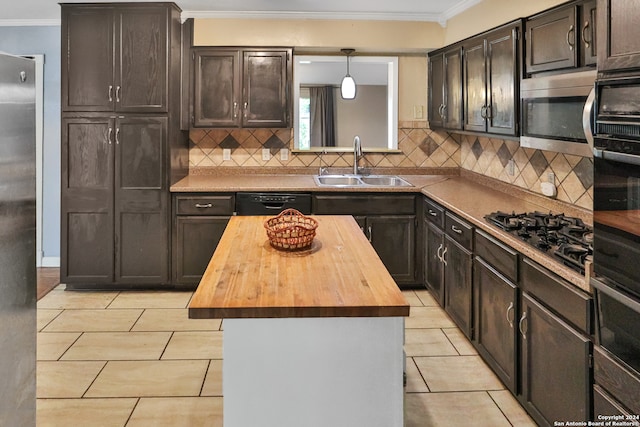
(432, 213)
(204, 205)
(117, 93)
(444, 260)
(110, 135)
(510, 318)
(568, 37)
(487, 112)
(246, 104)
(456, 229)
(444, 111)
(522, 325)
(483, 112)
(369, 232)
(438, 252)
(587, 43)
(110, 93)
(235, 110)
(117, 136)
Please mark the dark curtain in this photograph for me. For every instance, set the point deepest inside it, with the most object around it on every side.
(322, 117)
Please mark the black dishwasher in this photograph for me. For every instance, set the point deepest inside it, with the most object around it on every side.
(272, 203)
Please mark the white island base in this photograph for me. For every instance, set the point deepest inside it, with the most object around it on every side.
(313, 372)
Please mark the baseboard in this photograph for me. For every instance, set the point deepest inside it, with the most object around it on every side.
(50, 261)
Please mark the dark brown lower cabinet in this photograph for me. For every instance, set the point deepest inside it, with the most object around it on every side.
(393, 238)
(198, 224)
(389, 222)
(496, 299)
(433, 265)
(458, 285)
(555, 366)
(196, 239)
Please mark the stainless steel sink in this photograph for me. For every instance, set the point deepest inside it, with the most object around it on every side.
(348, 180)
(385, 181)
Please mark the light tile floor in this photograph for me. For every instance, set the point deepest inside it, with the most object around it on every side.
(136, 359)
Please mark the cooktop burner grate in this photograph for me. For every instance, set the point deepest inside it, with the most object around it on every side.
(567, 239)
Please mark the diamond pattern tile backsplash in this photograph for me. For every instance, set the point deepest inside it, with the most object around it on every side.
(573, 175)
(419, 147)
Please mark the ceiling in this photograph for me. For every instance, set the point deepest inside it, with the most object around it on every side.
(47, 12)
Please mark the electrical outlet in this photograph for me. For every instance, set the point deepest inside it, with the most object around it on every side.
(266, 154)
(551, 177)
(284, 154)
(511, 167)
(226, 154)
(417, 111)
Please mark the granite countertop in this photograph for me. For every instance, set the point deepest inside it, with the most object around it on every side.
(469, 195)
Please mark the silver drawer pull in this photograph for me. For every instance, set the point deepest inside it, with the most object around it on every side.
(432, 213)
(523, 326)
(456, 229)
(444, 260)
(510, 318)
(203, 206)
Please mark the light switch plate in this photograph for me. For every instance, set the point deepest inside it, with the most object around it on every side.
(417, 111)
(226, 154)
(266, 154)
(284, 154)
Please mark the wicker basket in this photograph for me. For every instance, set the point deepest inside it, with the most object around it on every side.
(291, 230)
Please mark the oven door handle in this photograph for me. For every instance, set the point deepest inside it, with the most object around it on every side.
(587, 117)
(616, 295)
(614, 156)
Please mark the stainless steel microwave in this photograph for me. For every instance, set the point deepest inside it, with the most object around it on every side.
(556, 112)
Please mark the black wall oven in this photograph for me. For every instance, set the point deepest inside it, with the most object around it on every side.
(616, 216)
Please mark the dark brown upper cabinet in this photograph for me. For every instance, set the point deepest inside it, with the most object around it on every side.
(561, 38)
(115, 57)
(241, 87)
(490, 81)
(445, 89)
(619, 41)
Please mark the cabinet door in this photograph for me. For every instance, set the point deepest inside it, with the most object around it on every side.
(433, 267)
(217, 88)
(86, 203)
(475, 86)
(618, 35)
(141, 201)
(453, 89)
(141, 62)
(551, 40)
(457, 282)
(393, 238)
(88, 58)
(495, 312)
(196, 239)
(588, 33)
(502, 81)
(265, 89)
(555, 366)
(436, 90)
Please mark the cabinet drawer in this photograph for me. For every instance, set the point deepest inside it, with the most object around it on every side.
(501, 257)
(222, 204)
(560, 296)
(433, 212)
(459, 230)
(617, 380)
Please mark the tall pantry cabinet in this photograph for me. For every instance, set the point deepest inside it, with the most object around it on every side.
(122, 146)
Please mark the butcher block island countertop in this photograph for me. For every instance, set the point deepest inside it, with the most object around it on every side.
(340, 275)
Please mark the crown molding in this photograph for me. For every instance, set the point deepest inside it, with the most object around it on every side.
(355, 16)
(457, 9)
(29, 22)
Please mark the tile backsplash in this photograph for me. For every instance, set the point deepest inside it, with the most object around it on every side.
(419, 147)
(528, 168)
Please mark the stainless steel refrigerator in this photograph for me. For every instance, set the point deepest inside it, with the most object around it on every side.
(17, 242)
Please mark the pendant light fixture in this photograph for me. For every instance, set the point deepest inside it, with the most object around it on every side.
(348, 86)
